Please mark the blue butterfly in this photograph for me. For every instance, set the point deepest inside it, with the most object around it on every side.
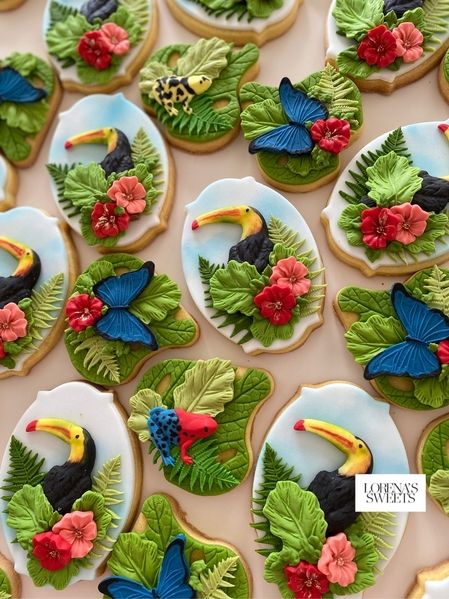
(411, 357)
(172, 582)
(294, 138)
(117, 292)
(16, 88)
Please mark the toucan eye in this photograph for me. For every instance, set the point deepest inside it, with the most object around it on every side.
(360, 446)
(247, 210)
(77, 436)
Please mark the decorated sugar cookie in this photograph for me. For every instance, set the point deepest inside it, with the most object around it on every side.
(112, 174)
(239, 21)
(37, 269)
(97, 45)
(193, 414)
(29, 95)
(192, 90)
(298, 131)
(266, 291)
(312, 538)
(70, 483)
(165, 557)
(387, 214)
(10, 584)
(443, 76)
(10, 4)
(431, 583)
(8, 185)
(385, 44)
(121, 313)
(433, 460)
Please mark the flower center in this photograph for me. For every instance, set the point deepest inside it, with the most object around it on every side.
(380, 49)
(293, 279)
(276, 305)
(105, 220)
(4, 326)
(78, 534)
(54, 554)
(340, 561)
(406, 226)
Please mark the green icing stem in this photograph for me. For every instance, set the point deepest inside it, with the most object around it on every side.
(434, 453)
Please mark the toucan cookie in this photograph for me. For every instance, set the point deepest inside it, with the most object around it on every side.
(443, 76)
(8, 185)
(165, 557)
(239, 21)
(10, 4)
(37, 270)
(387, 214)
(433, 461)
(118, 196)
(314, 542)
(192, 89)
(298, 131)
(29, 96)
(98, 45)
(431, 583)
(62, 511)
(121, 313)
(197, 417)
(385, 44)
(266, 291)
(10, 585)
(401, 337)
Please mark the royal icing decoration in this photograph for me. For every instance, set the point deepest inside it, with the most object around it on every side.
(433, 461)
(8, 185)
(431, 583)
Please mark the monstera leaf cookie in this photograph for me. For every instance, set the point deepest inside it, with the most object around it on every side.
(121, 313)
(385, 44)
(192, 89)
(265, 291)
(61, 512)
(314, 542)
(165, 557)
(197, 417)
(10, 585)
(8, 185)
(120, 200)
(98, 45)
(298, 131)
(388, 211)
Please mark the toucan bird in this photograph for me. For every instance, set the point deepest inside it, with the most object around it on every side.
(400, 7)
(98, 9)
(255, 245)
(118, 158)
(64, 484)
(335, 490)
(20, 284)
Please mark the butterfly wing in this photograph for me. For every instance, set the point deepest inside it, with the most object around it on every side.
(120, 291)
(297, 105)
(119, 324)
(119, 587)
(14, 87)
(291, 139)
(425, 324)
(174, 573)
(409, 358)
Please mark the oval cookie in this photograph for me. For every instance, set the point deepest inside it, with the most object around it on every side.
(433, 461)
(8, 185)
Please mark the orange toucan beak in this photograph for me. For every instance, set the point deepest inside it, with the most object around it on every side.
(233, 214)
(55, 426)
(106, 135)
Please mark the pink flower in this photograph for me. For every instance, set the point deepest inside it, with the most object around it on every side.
(13, 323)
(79, 530)
(408, 42)
(128, 193)
(412, 222)
(291, 273)
(337, 560)
(443, 352)
(116, 38)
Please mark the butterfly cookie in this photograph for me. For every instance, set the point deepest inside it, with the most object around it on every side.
(298, 131)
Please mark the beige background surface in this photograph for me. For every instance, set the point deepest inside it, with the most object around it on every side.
(324, 357)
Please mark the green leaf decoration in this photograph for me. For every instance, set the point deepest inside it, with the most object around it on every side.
(174, 331)
(261, 117)
(349, 63)
(159, 298)
(46, 301)
(365, 302)
(99, 356)
(137, 558)
(234, 287)
(439, 488)
(141, 403)
(58, 579)
(228, 9)
(431, 391)
(151, 71)
(366, 558)
(207, 58)
(392, 181)
(207, 387)
(435, 21)
(437, 287)
(95, 502)
(434, 453)
(281, 234)
(354, 18)
(29, 513)
(25, 468)
(90, 75)
(262, 9)
(254, 91)
(274, 569)
(63, 37)
(128, 22)
(59, 12)
(26, 117)
(5, 587)
(143, 151)
(138, 11)
(380, 525)
(58, 173)
(105, 481)
(366, 339)
(218, 578)
(13, 143)
(85, 185)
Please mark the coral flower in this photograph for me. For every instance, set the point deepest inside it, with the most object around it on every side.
(107, 221)
(276, 304)
(332, 135)
(443, 352)
(128, 193)
(79, 530)
(94, 49)
(293, 274)
(306, 581)
(412, 222)
(379, 226)
(83, 311)
(337, 560)
(52, 551)
(378, 47)
(116, 38)
(13, 323)
(408, 42)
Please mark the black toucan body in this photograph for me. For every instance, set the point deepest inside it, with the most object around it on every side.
(98, 9)
(21, 282)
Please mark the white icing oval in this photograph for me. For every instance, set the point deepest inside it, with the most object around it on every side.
(436, 589)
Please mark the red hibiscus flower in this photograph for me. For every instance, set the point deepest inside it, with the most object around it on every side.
(108, 220)
(331, 135)
(443, 352)
(379, 226)
(52, 551)
(306, 581)
(83, 311)
(94, 49)
(378, 47)
(276, 303)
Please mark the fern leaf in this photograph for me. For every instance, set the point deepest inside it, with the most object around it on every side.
(99, 355)
(336, 90)
(60, 12)
(437, 286)
(142, 150)
(214, 580)
(108, 478)
(44, 303)
(381, 526)
(435, 21)
(203, 120)
(278, 232)
(25, 468)
(58, 173)
(138, 9)
(238, 10)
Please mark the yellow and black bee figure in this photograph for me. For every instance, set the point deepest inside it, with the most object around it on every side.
(171, 90)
